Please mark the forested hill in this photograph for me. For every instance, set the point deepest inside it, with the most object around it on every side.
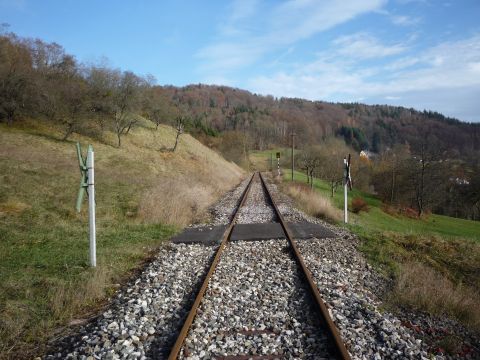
(270, 121)
(41, 81)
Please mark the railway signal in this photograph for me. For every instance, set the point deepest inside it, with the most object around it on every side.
(293, 146)
(278, 163)
(87, 184)
(347, 181)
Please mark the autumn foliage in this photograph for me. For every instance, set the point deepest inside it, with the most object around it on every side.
(358, 204)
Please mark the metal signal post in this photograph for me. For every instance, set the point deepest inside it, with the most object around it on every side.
(87, 183)
(278, 163)
(347, 184)
(293, 146)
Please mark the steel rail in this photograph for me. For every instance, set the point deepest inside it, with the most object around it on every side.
(340, 349)
(198, 299)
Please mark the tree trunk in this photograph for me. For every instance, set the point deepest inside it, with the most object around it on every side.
(421, 192)
(10, 115)
(130, 124)
(68, 132)
(119, 139)
(176, 141)
(392, 193)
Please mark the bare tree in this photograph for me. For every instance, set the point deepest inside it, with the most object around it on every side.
(15, 77)
(310, 161)
(389, 176)
(102, 84)
(126, 102)
(330, 157)
(75, 106)
(157, 108)
(179, 127)
(427, 172)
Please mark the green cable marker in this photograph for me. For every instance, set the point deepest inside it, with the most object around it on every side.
(87, 184)
(83, 180)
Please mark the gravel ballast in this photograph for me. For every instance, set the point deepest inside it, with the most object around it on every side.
(144, 317)
(257, 208)
(221, 213)
(256, 304)
(353, 291)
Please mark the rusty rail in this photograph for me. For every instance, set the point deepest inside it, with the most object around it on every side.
(340, 349)
(198, 299)
(339, 346)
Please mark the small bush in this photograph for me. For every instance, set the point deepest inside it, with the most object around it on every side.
(390, 210)
(410, 213)
(313, 203)
(358, 204)
(421, 287)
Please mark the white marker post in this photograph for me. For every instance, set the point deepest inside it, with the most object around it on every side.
(278, 163)
(91, 206)
(347, 183)
(345, 196)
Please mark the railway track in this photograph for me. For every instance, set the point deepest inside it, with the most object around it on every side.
(258, 299)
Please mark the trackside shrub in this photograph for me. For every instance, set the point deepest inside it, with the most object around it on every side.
(358, 204)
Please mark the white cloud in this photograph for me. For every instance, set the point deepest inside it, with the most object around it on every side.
(365, 46)
(242, 9)
(299, 19)
(403, 20)
(406, 2)
(243, 40)
(402, 63)
(450, 67)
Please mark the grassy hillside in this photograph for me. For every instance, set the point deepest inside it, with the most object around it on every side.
(143, 196)
(377, 220)
(433, 261)
(445, 251)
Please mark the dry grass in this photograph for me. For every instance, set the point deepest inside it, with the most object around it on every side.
(45, 281)
(12, 207)
(176, 201)
(66, 295)
(421, 287)
(313, 203)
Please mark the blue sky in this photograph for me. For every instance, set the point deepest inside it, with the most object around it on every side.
(416, 53)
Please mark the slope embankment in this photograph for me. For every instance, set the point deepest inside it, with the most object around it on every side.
(144, 193)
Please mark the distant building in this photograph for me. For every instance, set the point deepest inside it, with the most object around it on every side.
(367, 155)
(460, 181)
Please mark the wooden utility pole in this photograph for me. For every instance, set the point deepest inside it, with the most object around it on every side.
(293, 146)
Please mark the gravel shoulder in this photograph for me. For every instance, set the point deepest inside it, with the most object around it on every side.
(353, 291)
(145, 316)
